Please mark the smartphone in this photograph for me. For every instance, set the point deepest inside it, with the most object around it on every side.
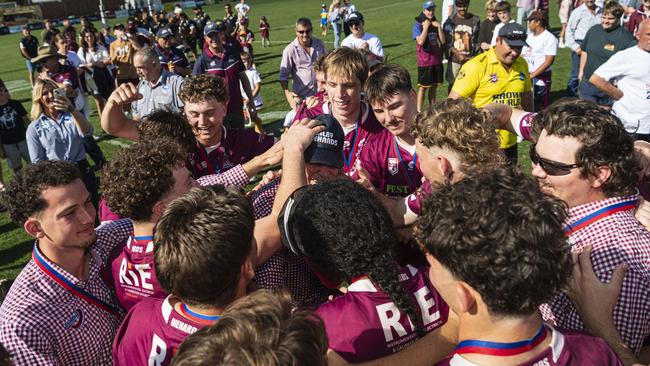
(59, 93)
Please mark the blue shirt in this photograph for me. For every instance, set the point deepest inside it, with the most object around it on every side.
(48, 139)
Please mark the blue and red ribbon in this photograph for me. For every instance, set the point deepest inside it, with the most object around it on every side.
(597, 215)
(501, 349)
(198, 317)
(405, 170)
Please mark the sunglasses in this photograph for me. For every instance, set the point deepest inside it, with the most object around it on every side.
(354, 24)
(549, 166)
(306, 31)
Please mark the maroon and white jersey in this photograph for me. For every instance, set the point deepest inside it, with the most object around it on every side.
(151, 333)
(391, 165)
(355, 139)
(237, 146)
(364, 324)
(132, 272)
(523, 126)
(567, 348)
(414, 200)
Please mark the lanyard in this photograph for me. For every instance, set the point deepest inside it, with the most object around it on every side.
(349, 160)
(501, 349)
(405, 167)
(75, 290)
(198, 317)
(208, 160)
(597, 215)
(147, 238)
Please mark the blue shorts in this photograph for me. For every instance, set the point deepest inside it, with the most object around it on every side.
(323, 22)
(30, 65)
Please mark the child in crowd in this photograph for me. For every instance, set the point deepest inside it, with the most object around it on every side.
(264, 32)
(503, 13)
(13, 119)
(255, 82)
(323, 19)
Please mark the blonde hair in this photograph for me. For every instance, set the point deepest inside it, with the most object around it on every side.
(346, 62)
(457, 125)
(37, 93)
(491, 4)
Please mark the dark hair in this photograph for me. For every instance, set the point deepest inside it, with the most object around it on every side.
(305, 22)
(498, 233)
(387, 81)
(139, 176)
(162, 124)
(502, 6)
(202, 87)
(23, 196)
(201, 243)
(259, 329)
(604, 141)
(347, 233)
(84, 44)
(5, 357)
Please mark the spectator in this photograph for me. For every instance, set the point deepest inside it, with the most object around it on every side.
(487, 26)
(581, 20)
(57, 131)
(639, 15)
(448, 10)
(28, 49)
(159, 88)
(334, 18)
(323, 19)
(254, 80)
(200, 19)
(121, 54)
(566, 7)
(94, 59)
(630, 69)
(187, 36)
(246, 38)
(230, 20)
(47, 35)
(461, 36)
(242, 10)
(13, 119)
(171, 58)
(524, 9)
(265, 31)
(499, 76)
(346, 10)
(429, 38)
(297, 63)
(70, 35)
(600, 43)
(61, 290)
(503, 13)
(359, 38)
(221, 57)
(540, 54)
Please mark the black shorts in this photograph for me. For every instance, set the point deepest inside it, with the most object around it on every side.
(430, 75)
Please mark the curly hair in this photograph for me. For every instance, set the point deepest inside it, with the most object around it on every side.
(201, 243)
(345, 232)
(162, 124)
(259, 329)
(604, 141)
(23, 196)
(346, 62)
(458, 125)
(199, 88)
(387, 81)
(139, 176)
(500, 234)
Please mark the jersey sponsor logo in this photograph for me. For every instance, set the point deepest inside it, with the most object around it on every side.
(512, 99)
(75, 320)
(393, 166)
(397, 189)
(158, 351)
(138, 275)
(543, 362)
(494, 78)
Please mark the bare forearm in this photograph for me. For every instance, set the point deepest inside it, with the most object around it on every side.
(606, 87)
(114, 122)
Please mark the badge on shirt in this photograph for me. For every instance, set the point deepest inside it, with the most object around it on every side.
(522, 77)
(494, 78)
(393, 166)
(75, 320)
(609, 47)
(461, 74)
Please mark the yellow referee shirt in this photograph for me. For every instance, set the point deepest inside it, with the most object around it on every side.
(484, 80)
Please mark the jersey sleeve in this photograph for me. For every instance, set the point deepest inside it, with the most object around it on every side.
(368, 160)
(417, 30)
(468, 79)
(523, 127)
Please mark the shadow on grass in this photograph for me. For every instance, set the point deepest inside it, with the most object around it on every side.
(14, 253)
(267, 57)
(392, 45)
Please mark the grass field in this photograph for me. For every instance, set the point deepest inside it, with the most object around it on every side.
(390, 20)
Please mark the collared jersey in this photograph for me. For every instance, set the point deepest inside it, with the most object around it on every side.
(229, 65)
(485, 80)
(173, 55)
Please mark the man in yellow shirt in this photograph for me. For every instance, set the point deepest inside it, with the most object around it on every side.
(499, 76)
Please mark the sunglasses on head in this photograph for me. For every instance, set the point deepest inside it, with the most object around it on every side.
(306, 31)
(549, 166)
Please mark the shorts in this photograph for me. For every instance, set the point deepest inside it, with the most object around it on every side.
(323, 22)
(30, 65)
(14, 152)
(430, 75)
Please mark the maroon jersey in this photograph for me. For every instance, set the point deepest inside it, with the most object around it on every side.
(151, 333)
(133, 272)
(567, 348)
(414, 200)
(364, 324)
(237, 146)
(355, 139)
(391, 167)
(523, 127)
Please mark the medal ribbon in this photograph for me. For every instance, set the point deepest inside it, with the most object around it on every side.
(501, 349)
(198, 317)
(205, 156)
(71, 287)
(405, 169)
(349, 160)
(597, 215)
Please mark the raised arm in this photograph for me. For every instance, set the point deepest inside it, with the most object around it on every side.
(113, 119)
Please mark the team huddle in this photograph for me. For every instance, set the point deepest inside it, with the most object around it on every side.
(389, 236)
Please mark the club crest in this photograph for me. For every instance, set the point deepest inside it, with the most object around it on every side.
(75, 320)
(494, 78)
(393, 166)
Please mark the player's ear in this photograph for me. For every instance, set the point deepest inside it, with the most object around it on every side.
(603, 173)
(446, 167)
(33, 228)
(466, 298)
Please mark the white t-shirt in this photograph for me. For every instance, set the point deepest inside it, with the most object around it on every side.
(253, 79)
(445, 8)
(100, 54)
(496, 32)
(631, 69)
(242, 9)
(374, 44)
(539, 46)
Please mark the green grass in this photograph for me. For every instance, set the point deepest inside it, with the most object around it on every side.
(389, 19)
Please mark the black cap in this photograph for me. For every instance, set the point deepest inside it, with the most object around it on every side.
(355, 16)
(327, 146)
(119, 26)
(213, 27)
(513, 34)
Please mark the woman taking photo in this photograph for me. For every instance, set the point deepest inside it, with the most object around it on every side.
(94, 59)
(57, 131)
